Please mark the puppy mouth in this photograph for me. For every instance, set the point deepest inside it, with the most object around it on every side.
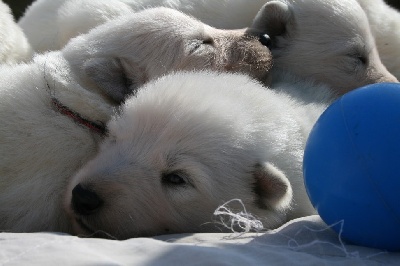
(79, 226)
(87, 231)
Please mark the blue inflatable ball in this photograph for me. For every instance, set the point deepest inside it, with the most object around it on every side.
(352, 166)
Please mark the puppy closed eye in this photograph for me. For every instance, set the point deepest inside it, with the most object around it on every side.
(174, 179)
(356, 62)
(363, 59)
(359, 58)
(199, 43)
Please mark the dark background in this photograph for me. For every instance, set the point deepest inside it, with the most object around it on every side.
(19, 6)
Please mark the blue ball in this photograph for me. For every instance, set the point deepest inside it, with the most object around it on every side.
(352, 166)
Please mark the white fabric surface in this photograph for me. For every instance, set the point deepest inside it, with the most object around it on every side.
(305, 241)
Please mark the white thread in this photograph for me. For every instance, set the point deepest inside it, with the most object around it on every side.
(246, 222)
(295, 245)
(243, 220)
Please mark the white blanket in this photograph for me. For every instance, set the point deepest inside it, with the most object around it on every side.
(305, 241)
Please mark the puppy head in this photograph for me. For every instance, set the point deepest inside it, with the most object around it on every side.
(176, 153)
(328, 41)
(119, 56)
(77, 17)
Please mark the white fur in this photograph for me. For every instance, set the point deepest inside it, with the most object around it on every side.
(224, 135)
(385, 25)
(45, 20)
(41, 148)
(49, 24)
(328, 41)
(14, 46)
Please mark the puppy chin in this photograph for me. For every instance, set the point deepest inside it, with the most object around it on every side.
(81, 228)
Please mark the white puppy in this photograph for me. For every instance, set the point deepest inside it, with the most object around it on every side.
(328, 41)
(189, 142)
(49, 23)
(385, 25)
(53, 110)
(14, 46)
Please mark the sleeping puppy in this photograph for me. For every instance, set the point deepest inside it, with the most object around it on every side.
(385, 26)
(53, 110)
(189, 142)
(328, 41)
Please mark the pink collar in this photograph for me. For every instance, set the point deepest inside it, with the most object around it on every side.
(99, 128)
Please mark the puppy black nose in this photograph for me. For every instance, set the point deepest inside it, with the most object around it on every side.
(85, 201)
(265, 40)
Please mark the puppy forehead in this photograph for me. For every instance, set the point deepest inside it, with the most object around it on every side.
(166, 18)
(345, 16)
(164, 131)
(191, 110)
(181, 24)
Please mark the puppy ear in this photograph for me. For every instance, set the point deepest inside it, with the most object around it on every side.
(273, 19)
(114, 77)
(272, 187)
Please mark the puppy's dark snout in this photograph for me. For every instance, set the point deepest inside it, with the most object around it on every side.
(85, 201)
(265, 40)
